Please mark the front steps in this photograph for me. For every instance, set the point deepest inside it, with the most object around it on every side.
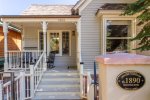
(59, 85)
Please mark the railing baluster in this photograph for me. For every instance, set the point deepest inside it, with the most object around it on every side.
(7, 93)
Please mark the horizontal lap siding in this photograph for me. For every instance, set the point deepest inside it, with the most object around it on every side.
(14, 41)
(91, 31)
(90, 34)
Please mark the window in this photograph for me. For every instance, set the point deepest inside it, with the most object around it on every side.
(41, 42)
(60, 42)
(118, 35)
(54, 42)
(65, 43)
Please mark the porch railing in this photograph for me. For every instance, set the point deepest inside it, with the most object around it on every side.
(25, 85)
(36, 74)
(22, 59)
(89, 85)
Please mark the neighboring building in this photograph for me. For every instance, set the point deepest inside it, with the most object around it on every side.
(77, 33)
(14, 41)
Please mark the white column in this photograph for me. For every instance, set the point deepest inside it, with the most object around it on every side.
(5, 31)
(44, 25)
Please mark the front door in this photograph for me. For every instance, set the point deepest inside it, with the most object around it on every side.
(55, 42)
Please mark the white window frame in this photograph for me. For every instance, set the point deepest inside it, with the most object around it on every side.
(104, 30)
(60, 44)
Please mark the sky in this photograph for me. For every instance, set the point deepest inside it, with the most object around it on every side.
(15, 7)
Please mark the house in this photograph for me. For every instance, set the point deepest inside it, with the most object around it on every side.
(77, 33)
(14, 41)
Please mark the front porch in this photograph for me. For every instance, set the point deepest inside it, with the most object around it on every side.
(40, 37)
(44, 33)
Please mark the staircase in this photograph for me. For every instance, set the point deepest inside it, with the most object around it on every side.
(59, 85)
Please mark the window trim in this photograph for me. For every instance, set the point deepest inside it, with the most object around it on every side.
(104, 30)
(60, 44)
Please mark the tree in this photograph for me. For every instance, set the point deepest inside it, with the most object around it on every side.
(141, 7)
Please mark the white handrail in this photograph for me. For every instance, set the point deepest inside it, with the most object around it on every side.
(19, 90)
(90, 87)
(36, 74)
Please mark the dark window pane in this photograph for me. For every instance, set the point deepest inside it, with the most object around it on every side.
(117, 45)
(41, 40)
(65, 43)
(117, 30)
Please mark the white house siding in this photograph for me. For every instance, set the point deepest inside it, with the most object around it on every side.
(90, 31)
(31, 40)
(90, 34)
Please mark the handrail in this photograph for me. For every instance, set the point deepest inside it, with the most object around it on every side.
(90, 87)
(25, 51)
(36, 65)
(37, 73)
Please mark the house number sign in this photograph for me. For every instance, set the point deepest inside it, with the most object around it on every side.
(130, 80)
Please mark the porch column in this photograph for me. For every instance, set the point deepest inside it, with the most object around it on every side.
(44, 24)
(5, 31)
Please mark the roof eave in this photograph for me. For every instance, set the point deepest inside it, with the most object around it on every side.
(40, 16)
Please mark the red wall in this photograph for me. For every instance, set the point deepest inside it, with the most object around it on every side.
(14, 41)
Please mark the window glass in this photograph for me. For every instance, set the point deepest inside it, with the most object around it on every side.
(54, 42)
(118, 35)
(65, 43)
(41, 43)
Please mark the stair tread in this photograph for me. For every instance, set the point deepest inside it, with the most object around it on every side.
(59, 85)
(58, 82)
(71, 89)
(56, 86)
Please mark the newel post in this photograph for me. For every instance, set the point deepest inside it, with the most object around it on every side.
(32, 80)
(5, 31)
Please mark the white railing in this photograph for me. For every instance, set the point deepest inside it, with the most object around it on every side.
(83, 83)
(90, 87)
(22, 59)
(37, 73)
(25, 85)
(18, 90)
(21, 91)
